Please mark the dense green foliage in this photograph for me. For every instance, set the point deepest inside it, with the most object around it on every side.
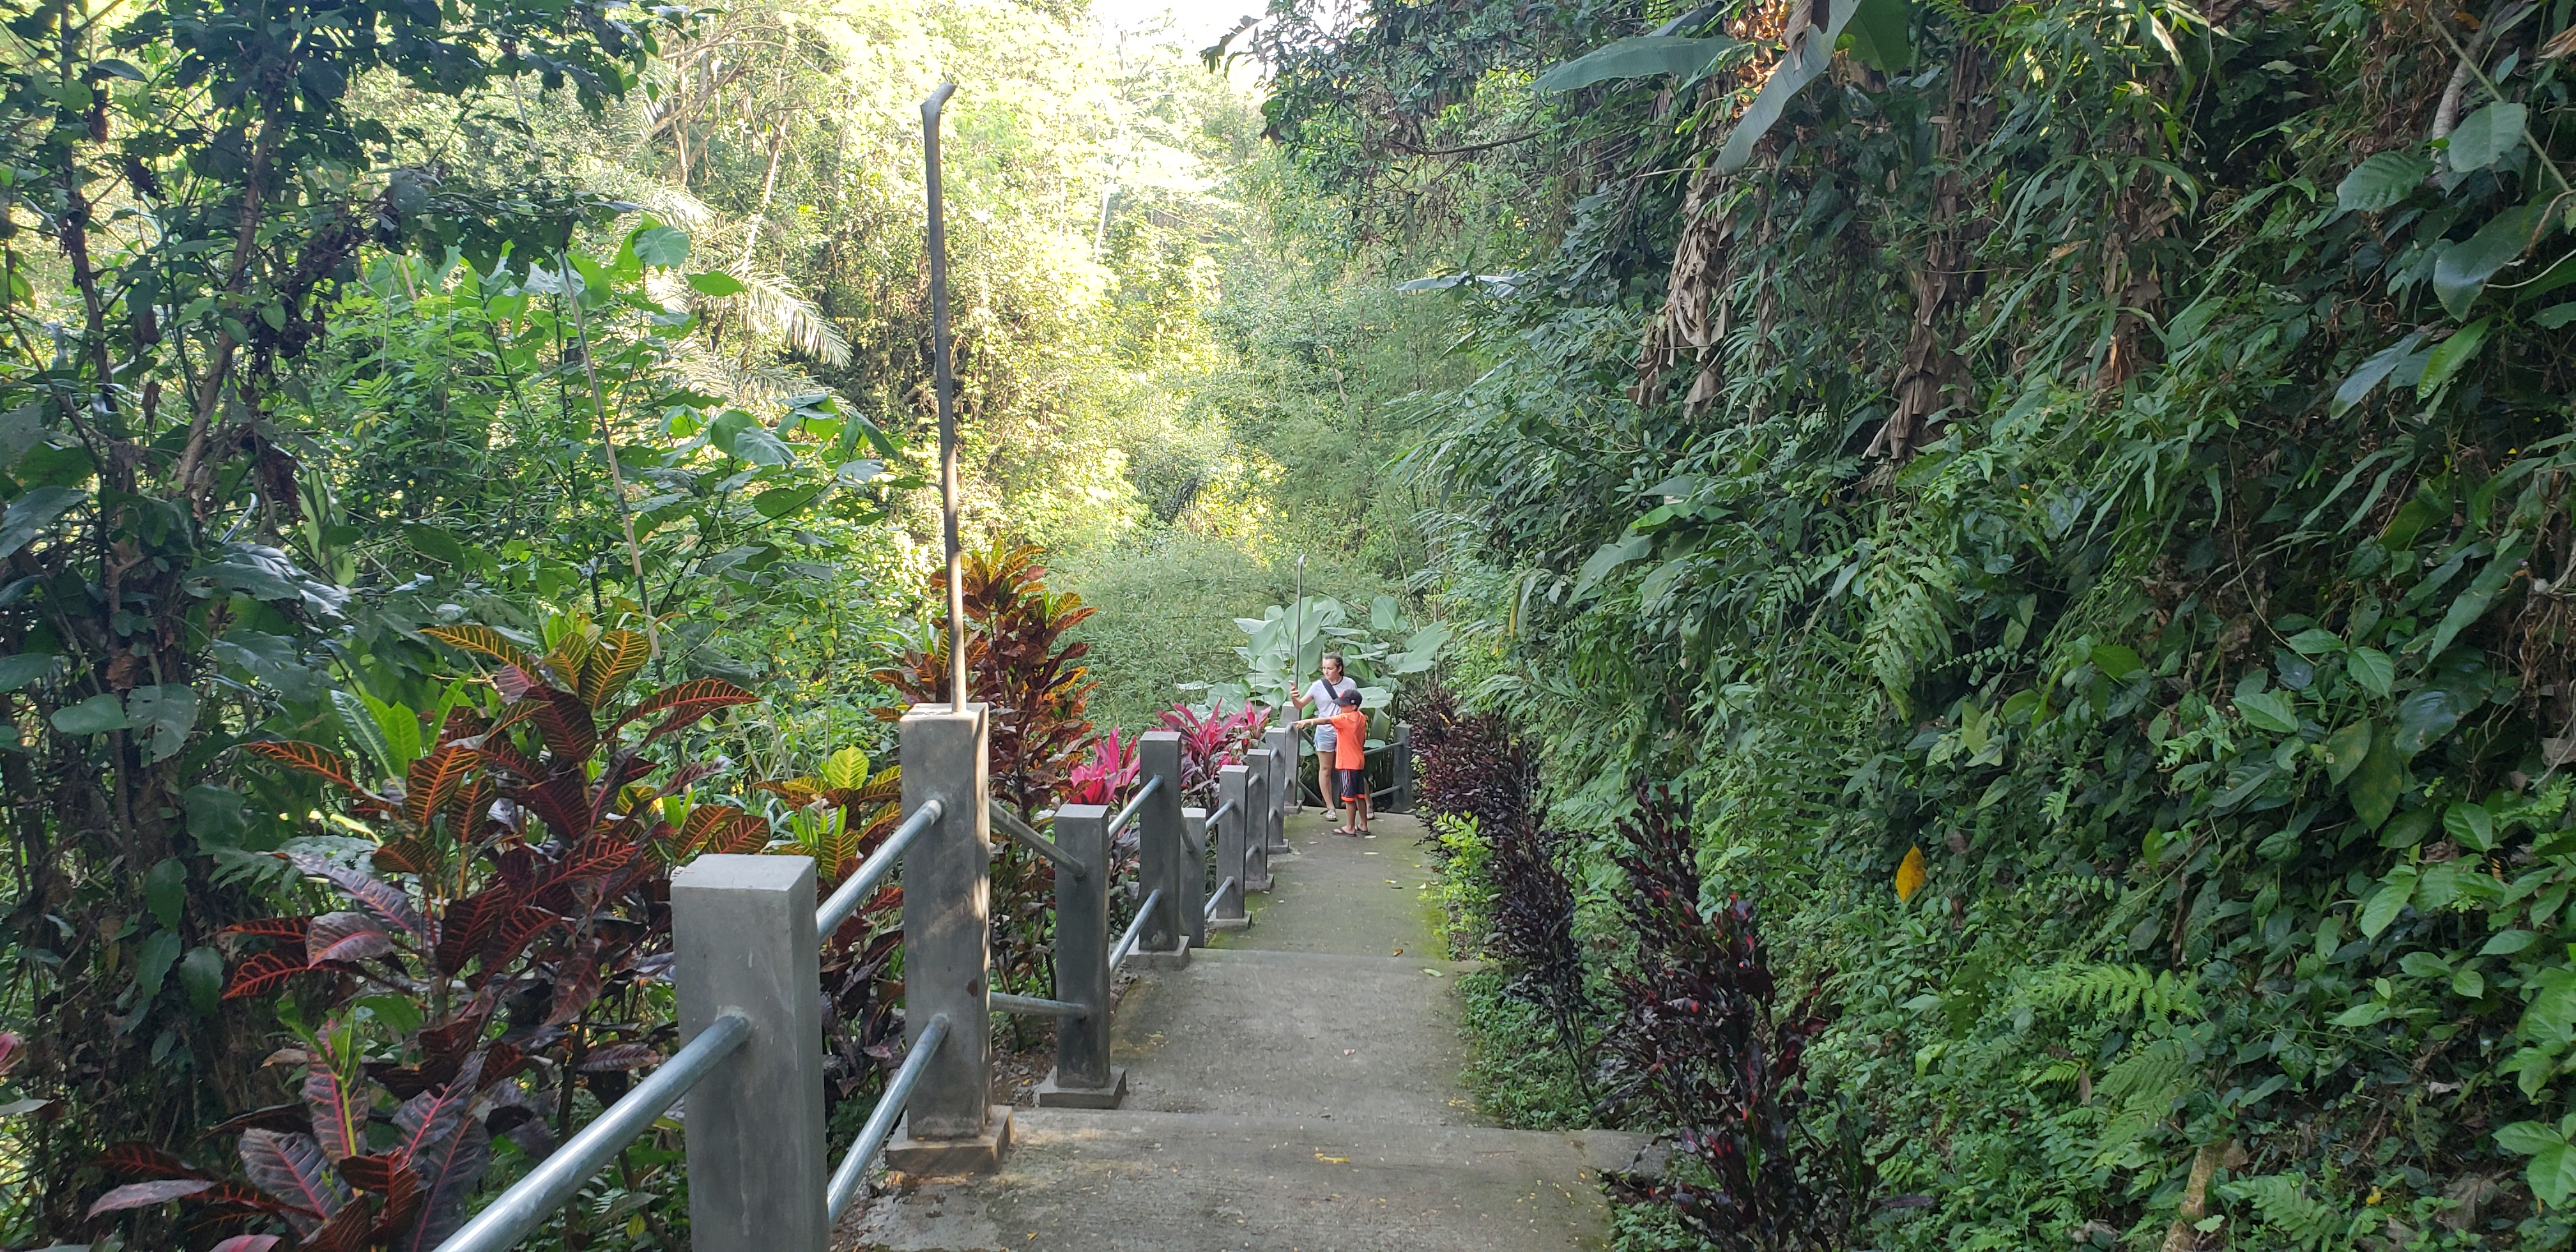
(2059, 451)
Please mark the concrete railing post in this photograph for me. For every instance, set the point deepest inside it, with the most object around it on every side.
(1194, 884)
(1083, 1076)
(1162, 851)
(949, 1125)
(1284, 769)
(743, 932)
(1257, 816)
(1401, 801)
(1233, 788)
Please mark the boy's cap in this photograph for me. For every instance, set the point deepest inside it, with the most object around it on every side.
(1350, 697)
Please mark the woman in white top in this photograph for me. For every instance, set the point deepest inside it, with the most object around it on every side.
(1326, 694)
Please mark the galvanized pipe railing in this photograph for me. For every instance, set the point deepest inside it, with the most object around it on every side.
(1135, 804)
(872, 1136)
(553, 1183)
(1135, 929)
(872, 871)
(1026, 836)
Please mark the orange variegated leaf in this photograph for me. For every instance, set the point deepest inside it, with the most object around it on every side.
(1909, 874)
(482, 640)
(619, 656)
(686, 703)
(434, 780)
(307, 758)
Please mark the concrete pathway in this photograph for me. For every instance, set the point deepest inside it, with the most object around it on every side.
(1295, 1088)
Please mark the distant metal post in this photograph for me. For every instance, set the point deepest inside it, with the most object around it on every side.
(948, 1126)
(1403, 797)
(743, 930)
(1282, 743)
(1192, 906)
(1162, 854)
(1233, 787)
(1083, 1076)
(1258, 776)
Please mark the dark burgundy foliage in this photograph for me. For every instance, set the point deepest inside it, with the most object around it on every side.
(1697, 1048)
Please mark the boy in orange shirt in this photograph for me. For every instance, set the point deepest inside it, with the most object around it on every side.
(1350, 760)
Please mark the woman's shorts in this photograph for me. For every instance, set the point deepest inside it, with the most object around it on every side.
(1354, 783)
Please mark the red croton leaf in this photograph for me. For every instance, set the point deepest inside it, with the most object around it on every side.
(374, 1172)
(621, 1056)
(686, 703)
(269, 928)
(482, 640)
(291, 1168)
(339, 1111)
(135, 1195)
(345, 937)
(265, 972)
(434, 779)
(386, 900)
(247, 1243)
(142, 1160)
(448, 1168)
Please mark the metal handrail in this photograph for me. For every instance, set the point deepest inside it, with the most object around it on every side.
(1135, 930)
(1032, 1006)
(1128, 813)
(1026, 836)
(1219, 815)
(529, 1201)
(854, 1167)
(843, 902)
(1215, 898)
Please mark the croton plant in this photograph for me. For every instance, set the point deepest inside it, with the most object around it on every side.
(503, 937)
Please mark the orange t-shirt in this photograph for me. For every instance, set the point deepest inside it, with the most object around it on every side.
(1350, 739)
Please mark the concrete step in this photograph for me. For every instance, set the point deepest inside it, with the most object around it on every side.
(1133, 1181)
(1297, 1035)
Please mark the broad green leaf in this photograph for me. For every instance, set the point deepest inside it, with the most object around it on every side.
(2423, 717)
(1807, 57)
(2463, 268)
(2116, 662)
(1640, 57)
(2384, 904)
(2372, 670)
(778, 502)
(2485, 137)
(2346, 749)
(2507, 942)
(151, 965)
(1608, 557)
(2269, 710)
(2471, 604)
(2528, 1138)
(740, 435)
(2552, 1174)
(168, 711)
(716, 284)
(2398, 359)
(165, 891)
(2471, 824)
(1882, 34)
(96, 715)
(2448, 356)
(24, 668)
(2314, 642)
(661, 247)
(434, 543)
(2376, 785)
(29, 515)
(2554, 316)
(2469, 984)
(2381, 180)
(2370, 1013)
(201, 974)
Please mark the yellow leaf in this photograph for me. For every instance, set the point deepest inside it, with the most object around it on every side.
(1909, 875)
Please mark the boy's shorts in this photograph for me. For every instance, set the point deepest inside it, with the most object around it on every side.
(1354, 784)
